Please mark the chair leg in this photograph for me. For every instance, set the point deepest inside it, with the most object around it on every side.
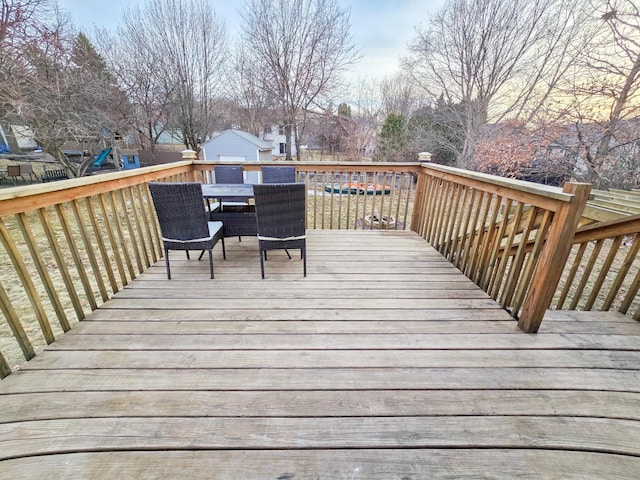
(224, 253)
(188, 255)
(287, 252)
(262, 263)
(211, 261)
(303, 253)
(166, 261)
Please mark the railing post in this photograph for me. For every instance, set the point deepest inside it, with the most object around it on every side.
(192, 156)
(553, 257)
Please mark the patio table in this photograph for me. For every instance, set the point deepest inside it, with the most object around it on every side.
(235, 223)
(224, 191)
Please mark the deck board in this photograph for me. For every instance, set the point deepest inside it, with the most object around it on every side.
(356, 464)
(385, 362)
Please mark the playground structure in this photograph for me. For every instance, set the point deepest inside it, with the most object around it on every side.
(102, 157)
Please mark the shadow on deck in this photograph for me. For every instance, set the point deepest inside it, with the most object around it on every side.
(385, 362)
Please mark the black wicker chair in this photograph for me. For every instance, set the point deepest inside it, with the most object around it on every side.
(281, 216)
(183, 221)
(273, 174)
(231, 174)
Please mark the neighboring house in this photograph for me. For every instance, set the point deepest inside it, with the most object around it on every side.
(237, 146)
(170, 141)
(274, 135)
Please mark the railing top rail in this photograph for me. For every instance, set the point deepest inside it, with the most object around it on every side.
(547, 191)
(29, 197)
(310, 166)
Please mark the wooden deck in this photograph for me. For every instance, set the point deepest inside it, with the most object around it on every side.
(384, 363)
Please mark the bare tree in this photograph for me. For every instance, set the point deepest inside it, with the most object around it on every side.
(368, 114)
(169, 60)
(19, 23)
(497, 59)
(254, 107)
(399, 95)
(20, 20)
(134, 64)
(299, 48)
(603, 102)
(59, 87)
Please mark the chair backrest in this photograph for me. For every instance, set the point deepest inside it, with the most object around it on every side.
(278, 174)
(280, 209)
(228, 174)
(180, 210)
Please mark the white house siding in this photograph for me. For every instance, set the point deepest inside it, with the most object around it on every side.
(275, 139)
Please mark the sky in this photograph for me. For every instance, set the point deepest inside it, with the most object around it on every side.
(381, 29)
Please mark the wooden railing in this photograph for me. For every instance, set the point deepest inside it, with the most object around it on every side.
(348, 195)
(603, 271)
(68, 246)
(511, 238)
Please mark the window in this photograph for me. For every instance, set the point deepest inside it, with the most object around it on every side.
(283, 148)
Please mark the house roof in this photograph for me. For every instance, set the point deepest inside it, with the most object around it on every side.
(259, 143)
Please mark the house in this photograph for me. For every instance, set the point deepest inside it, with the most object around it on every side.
(170, 141)
(275, 135)
(237, 146)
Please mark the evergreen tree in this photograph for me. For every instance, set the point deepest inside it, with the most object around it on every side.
(393, 139)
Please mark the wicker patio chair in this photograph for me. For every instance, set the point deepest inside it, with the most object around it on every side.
(183, 221)
(274, 174)
(231, 174)
(280, 212)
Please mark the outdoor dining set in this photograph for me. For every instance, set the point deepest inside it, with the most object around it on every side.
(195, 216)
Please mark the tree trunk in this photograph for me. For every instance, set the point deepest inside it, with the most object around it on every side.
(62, 159)
(287, 133)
